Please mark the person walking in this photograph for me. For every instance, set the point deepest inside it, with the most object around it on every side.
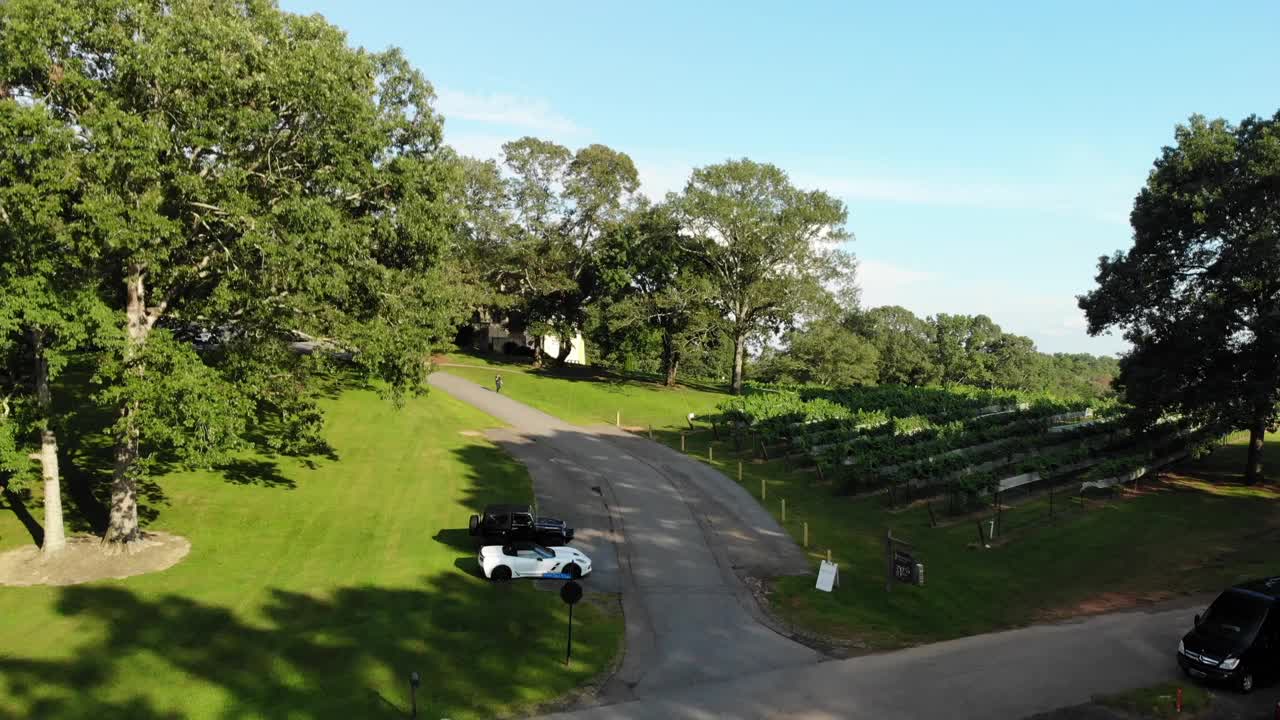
(497, 383)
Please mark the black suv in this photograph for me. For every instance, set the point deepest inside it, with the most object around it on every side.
(1237, 641)
(501, 524)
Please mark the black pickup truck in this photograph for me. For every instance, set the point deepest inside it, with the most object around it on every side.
(501, 524)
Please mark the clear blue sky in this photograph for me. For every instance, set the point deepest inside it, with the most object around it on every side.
(988, 152)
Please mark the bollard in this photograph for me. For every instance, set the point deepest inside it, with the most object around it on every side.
(1179, 699)
(784, 509)
(806, 534)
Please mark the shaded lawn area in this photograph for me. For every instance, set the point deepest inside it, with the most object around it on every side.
(591, 401)
(313, 588)
(1181, 536)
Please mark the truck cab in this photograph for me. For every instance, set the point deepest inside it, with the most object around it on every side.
(500, 524)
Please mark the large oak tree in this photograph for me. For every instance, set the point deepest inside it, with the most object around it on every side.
(240, 167)
(768, 247)
(1198, 293)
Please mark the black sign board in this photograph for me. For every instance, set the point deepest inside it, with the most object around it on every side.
(571, 592)
(904, 566)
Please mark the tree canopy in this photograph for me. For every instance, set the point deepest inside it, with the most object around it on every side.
(1198, 293)
(767, 247)
(243, 168)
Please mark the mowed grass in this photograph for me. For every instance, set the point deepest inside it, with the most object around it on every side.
(1174, 538)
(313, 588)
(586, 400)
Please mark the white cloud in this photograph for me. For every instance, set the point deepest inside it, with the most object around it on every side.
(1054, 322)
(1101, 201)
(486, 146)
(506, 110)
(659, 178)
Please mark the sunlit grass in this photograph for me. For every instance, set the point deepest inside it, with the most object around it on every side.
(311, 601)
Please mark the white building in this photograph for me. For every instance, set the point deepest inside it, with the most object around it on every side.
(494, 336)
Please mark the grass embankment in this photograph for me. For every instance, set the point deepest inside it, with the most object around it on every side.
(1189, 534)
(313, 588)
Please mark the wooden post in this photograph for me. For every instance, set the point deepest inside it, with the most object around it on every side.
(888, 554)
(828, 554)
(999, 527)
(711, 455)
(681, 441)
(784, 510)
(650, 431)
(806, 534)
(617, 422)
(763, 490)
(739, 472)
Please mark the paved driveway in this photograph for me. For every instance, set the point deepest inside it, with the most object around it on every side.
(665, 534)
(1009, 675)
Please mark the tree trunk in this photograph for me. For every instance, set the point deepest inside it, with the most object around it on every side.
(122, 527)
(55, 537)
(566, 347)
(739, 352)
(1257, 433)
(537, 352)
(670, 359)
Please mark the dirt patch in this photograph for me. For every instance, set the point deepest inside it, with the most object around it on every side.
(1105, 603)
(84, 560)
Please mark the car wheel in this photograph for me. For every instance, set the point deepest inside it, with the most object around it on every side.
(474, 526)
(573, 571)
(502, 573)
(1246, 682)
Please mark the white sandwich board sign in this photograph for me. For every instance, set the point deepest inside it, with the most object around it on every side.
(828, 576)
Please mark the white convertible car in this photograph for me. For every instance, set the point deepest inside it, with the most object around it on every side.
(529, 559)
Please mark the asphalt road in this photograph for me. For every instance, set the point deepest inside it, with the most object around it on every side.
(1010, 674)
(667, 534)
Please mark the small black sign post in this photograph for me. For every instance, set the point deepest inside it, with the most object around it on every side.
(899, 564)
(570, 593)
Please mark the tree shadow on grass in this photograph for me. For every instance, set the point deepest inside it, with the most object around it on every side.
(16, 500)
(246, 471)
(347, 654)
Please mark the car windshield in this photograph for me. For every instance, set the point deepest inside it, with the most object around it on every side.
(542, 552)
(1234, 614)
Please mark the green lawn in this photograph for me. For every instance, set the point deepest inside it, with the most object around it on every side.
(313, 588)
(586, 400)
